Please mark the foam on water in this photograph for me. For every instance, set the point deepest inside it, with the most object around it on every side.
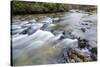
(42, 46)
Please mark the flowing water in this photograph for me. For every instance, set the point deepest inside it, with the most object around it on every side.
(41, 39)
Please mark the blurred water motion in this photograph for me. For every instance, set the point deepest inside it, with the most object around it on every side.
(44, 41)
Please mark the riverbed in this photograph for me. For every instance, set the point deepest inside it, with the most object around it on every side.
(66, 37)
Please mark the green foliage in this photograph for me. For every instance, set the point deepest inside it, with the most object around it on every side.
(22, 7)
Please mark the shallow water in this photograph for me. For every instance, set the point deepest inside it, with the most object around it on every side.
(40, 42)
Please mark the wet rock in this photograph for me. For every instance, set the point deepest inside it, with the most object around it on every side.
(72, 61)
(73, 11)
(94, 53)
(94, 50)
(28, 31)
(66, 53)
(61, 58)
(89, 13)
(18, 31)
(44, 26)
(88, 21)
(68, 34)
(14, 27)
(48, 27)
(64, 56)
(76, 58)
(84, 23)
(88, 28)
(15, 21)
(80, 56)
(26, 25)
(32, 21)
(82, 43)
(63, 32)
(46, 20)
(23, 23)
(83, 29)
(54, 32)
(69, 43)
(62, 37)
(56, 19)
(94, 57)
(86, 51)
(24, 32)
(87, 59)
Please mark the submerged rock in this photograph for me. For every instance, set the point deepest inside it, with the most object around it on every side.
(32, 21)
(69, 43)
(56, 19)
(80, 56)
(23, 23)
(46, 20)
(28, 31)
(83, 43)
(83, 29)
(14, 27)
(94, 50)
